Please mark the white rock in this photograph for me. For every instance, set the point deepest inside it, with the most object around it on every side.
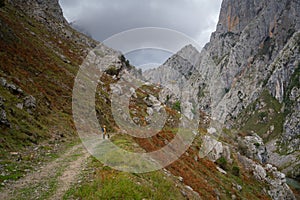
(221, 170)
(259, 172)
(180, 179)
(211, 130)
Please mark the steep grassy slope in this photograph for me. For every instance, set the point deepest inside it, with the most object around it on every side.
(37, 61)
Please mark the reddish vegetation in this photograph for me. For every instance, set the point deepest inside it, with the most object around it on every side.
(186, 167)
(43, 63)
(200, 174)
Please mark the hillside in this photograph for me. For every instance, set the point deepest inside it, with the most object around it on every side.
(42, 156)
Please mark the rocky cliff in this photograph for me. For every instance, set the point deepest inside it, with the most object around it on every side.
(247, 76)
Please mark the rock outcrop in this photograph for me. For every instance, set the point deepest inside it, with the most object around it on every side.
(42, 10)
(3, 116)
(254, 49)
(253, 147)
(269, 174)
(49, 13)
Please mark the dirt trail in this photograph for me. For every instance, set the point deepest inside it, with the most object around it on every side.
(52, 180)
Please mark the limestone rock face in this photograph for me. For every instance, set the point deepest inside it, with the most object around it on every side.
(254, 49)
(214, 149)
(255, 148)
(269, 174)
(41, 9)
(174, 73)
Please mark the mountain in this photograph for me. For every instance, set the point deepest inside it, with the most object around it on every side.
(247, 76)
(42, 156)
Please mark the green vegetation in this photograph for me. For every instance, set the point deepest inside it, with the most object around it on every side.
(294, 82)
(112, 70)
(227, 90)
(126, 186)
(201, 91)
(32, 60)
(127, 63)
(110, 184)
(222, 162)
(260, 121)
(235, 170)
(256, 145)
(2, 3)
(177, 106)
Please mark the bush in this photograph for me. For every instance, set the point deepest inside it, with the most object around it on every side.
(124, 60)
(112, 70)
(236, 170)
(256, 145)
(222, 162)
(2, 3)
(177, 106)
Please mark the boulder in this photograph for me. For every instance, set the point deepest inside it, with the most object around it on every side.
(29, 103)
(3, 118)
(150, 111)
(116, 89)
(254, 148)
(214, 149)
(259, 172)
(1, 102)
(278, 189)
(3, 82)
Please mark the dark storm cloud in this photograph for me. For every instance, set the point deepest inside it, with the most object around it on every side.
(104, 18)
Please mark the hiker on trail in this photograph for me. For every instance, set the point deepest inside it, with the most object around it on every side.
(105, 132)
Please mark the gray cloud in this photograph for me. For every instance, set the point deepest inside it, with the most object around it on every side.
(104, 18)
(196, 18)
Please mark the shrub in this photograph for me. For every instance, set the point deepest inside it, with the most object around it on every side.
(112, 70)
(256, 145)
(262, 115)
(177, 106)
(124, 60)
(235, 170)
(222, 162)
(2, 3)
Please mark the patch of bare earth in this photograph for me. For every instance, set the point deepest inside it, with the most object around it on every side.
(52, 180)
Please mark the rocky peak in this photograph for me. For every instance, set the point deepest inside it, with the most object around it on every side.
(189, 53)
(42, 10)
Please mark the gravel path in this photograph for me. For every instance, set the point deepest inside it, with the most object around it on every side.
(52, 180)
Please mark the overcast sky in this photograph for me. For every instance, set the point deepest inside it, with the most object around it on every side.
(104, 18)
